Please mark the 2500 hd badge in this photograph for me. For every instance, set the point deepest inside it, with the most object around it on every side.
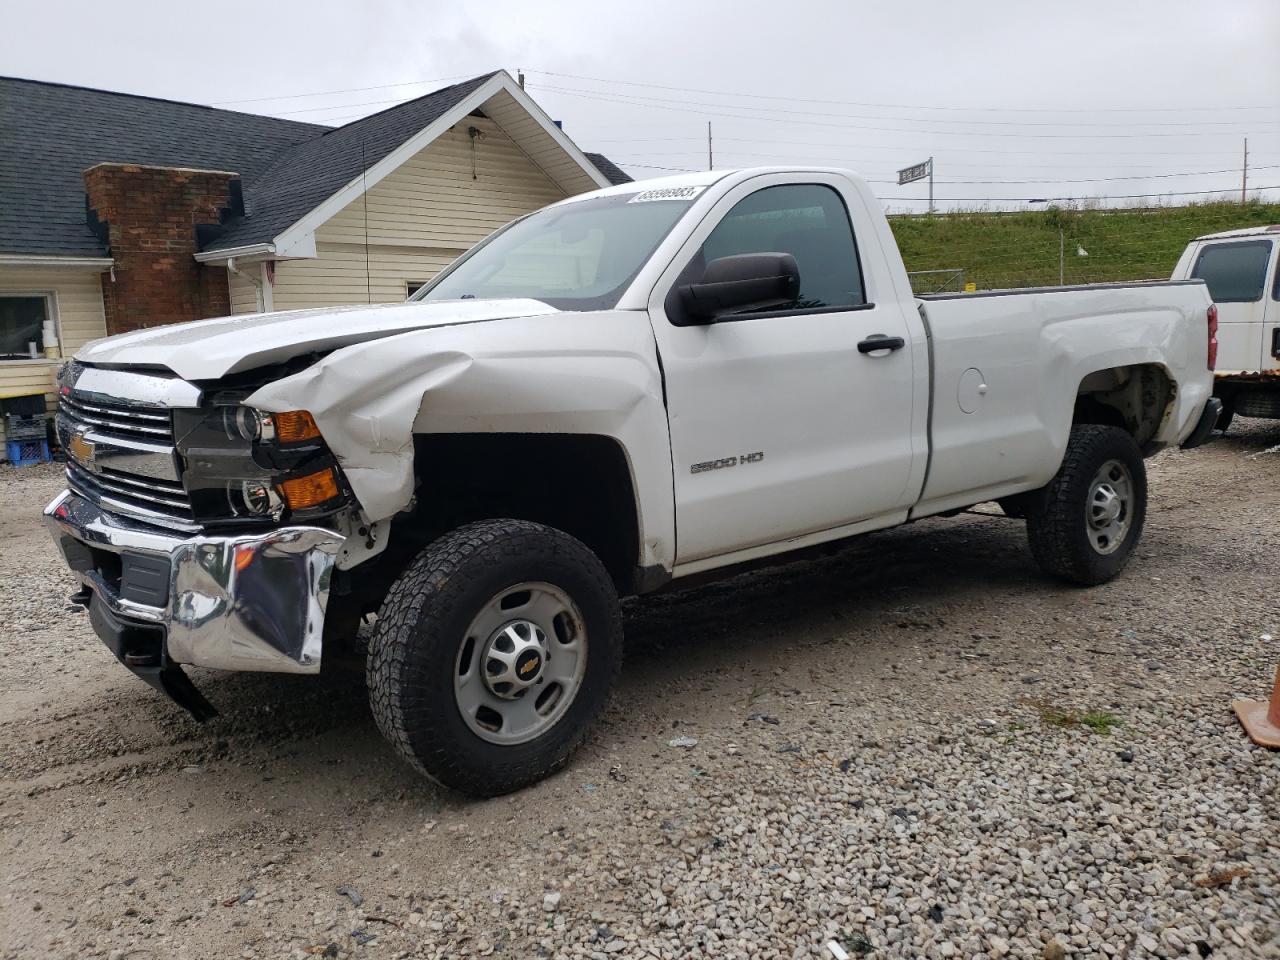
(708, 465)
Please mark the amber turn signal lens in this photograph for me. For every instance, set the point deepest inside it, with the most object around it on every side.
(295, 426)
(310, 491)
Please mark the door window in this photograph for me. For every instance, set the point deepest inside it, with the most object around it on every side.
(808, 221)
(1235, 272)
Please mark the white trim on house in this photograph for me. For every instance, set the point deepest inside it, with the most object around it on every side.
(305, 249)
(248, 252)
(97, 264)
(299, 239)
(552, 128)
(301, 246)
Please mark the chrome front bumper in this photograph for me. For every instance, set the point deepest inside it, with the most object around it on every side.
(252, 602)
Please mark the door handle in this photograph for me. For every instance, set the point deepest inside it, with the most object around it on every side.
(878, 341)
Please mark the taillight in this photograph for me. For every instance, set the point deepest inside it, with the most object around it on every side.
(1213, 336)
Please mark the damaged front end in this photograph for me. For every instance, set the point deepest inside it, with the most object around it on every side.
(250, 602)
(203, 532)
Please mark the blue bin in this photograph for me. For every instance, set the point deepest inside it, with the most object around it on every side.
(24, 453)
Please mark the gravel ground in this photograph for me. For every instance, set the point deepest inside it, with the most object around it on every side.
(917, 747)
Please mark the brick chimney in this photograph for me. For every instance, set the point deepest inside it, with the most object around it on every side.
(148, 216)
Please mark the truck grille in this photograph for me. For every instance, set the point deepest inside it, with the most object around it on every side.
(147, 499)
(121, 457)
(141, 423)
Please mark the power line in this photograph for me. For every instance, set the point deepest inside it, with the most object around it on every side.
(985, 123)
(756, 113)
(657, 102)
(950, 150)
(329, 93)
(1126, 196)
(344, 106)
(866, 146)
(753, 96)
(1148, 176)
(688, 106)
(663, 103)
(897, 106)
(1115, 196)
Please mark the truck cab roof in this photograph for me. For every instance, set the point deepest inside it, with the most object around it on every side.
(702, 178)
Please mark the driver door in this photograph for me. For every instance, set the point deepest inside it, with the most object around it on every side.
(780, 425)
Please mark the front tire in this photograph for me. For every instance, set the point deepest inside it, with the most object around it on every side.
(494, 653)
(1091, 514)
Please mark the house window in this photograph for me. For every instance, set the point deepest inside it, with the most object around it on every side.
(413, 286)
(22, 320)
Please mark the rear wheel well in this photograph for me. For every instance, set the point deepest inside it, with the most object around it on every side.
(1135, 398)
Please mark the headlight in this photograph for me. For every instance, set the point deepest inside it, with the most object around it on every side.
(252, 498)
(245, 423)
(243, 464)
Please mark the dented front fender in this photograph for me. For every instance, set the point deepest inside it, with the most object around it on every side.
(564, 373)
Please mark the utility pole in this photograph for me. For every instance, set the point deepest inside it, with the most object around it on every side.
(710, 162)
(1244, 174)
(931, 184)
(520, 77)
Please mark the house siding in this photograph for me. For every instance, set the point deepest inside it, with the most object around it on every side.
(77, 306)
(420, 218)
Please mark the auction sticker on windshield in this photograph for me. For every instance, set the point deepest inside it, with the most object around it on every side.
(666, 193)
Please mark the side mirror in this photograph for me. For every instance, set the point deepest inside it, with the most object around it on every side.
(748, 281)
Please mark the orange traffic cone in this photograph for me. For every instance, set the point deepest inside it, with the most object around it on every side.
(1261, 718)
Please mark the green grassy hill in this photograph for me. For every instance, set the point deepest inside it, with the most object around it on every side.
(1021, 249)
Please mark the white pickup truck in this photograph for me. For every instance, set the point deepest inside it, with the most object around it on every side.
(614, 393)
(1242, 270)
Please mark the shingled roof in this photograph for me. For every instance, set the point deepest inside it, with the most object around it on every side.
(286, 168)
(54, 132)
(302, 179)
(613, 173)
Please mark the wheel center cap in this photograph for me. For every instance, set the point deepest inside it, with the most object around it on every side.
(528, 665)
(1107, 505)
(514, 658)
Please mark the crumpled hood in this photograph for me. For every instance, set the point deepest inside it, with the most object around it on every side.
(207, 349)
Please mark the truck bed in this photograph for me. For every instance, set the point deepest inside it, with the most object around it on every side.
(1002, 361)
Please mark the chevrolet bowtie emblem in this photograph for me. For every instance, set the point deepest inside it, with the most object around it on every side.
(82, 448)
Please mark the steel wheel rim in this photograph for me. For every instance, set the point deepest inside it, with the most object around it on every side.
(520, 664)
(1108, 512)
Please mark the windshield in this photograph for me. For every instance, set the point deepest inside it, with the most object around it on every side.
(580, 256)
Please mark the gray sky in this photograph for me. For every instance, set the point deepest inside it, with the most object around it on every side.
(995, 90)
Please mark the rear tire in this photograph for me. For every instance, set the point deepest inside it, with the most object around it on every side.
(1091, 514)
(462, 666)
